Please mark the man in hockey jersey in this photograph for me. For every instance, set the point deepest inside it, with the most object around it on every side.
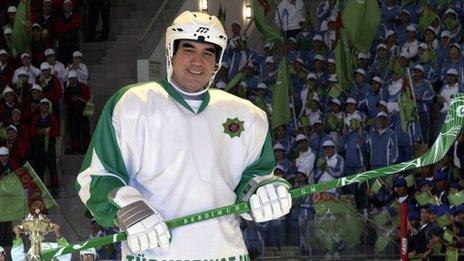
(166, 149)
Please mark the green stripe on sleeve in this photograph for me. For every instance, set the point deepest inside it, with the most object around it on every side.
(105, 145)
(261, 167)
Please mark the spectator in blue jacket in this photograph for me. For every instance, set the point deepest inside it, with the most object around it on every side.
(383, 144)
(424, 93)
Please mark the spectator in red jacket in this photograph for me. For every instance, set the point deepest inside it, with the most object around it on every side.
(32, 108)
(17, 148)
(68, 30)
(76, 95)
(51, 86)
(8, 105)
(44, 131)
(23, 89)
(38, 45)
(47, 21)
(6, 69)
(22, 128)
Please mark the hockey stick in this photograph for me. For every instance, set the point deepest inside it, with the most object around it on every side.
(451, 128)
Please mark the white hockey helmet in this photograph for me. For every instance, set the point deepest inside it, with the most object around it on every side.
(199, 27)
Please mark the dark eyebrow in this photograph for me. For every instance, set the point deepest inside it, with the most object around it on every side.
(189, 45)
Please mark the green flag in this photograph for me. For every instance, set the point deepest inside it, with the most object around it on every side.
(407, 103)
(361, 19)
(21, 37)
(423, 198)
(236, 79)
(381, 243)
(260, 10)
(448, 236)
(335, 91)
(457, 198)
(281, 97)
(376, 186)
(444, 220)
(13, 196)
(343, 62)
(20, 189)
(381, 219)
(426, 19)
(222, 15)
(410, 180)
(451, 254)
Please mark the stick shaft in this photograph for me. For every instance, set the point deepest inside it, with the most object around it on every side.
(451, 128)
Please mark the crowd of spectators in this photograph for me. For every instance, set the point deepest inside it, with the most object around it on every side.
(336, 135)
(43, 91)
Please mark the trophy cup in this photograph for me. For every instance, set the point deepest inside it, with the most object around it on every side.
(36, 226)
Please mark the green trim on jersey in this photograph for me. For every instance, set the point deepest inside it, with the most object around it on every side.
(106, 147)
(176, 96)
(261, 167)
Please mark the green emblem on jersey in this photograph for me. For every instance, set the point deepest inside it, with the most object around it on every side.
(233, 127)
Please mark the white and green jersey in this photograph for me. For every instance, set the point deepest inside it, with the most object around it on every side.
(181, 161)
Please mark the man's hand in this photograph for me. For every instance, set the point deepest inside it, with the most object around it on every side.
(145, 226)
(270, 202)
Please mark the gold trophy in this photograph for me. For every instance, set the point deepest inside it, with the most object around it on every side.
(36, 226)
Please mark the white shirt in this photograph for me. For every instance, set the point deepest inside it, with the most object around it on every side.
(290, 14)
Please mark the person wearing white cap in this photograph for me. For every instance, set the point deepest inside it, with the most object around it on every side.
(393, 89)
(281, 158)
(424, 94)
(372, 97)
(133, 121)
(332, 164)
(318, 69)
(31, 70)
(360, 87)
(269, 76)
(352, 112)
(382, 142)
(68, 29)
(11, 14)
(309, 89)
(292, 12)
(318, 48)
(304, 37)
(58, 67)
(5, 166)
(334, 119)
(89, 254)
(6, 69)
(306, 157)
(45, 124)
(51, 86)
(453, 61)
(446, 93)
(238, 55)
(411, 44)
(451, 22)
(76, 96)
(79, 67)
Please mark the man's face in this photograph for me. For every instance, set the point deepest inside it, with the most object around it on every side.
(454, 53)
(423, 215)
(67, 7)
(36, 95)
(331, 68)
(16, 116)
(358, 78)
(382, 52)
(4, 158)
(317, 65)
(9, 97)
(51, 59)
(270, 67)
(375, 86)
(3, 58)
(46, 73)
(76, 60)
(193, 65)
(12, 16)
(72, 81)
(382, 122)
(350, 107)
(26, 61)
(417, 74)
(279, 154)
(329, 151)
(303, 145)
(11, 135)
(44, 107)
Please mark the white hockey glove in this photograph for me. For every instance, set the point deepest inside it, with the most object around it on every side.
(270, 200)
(145, 226)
